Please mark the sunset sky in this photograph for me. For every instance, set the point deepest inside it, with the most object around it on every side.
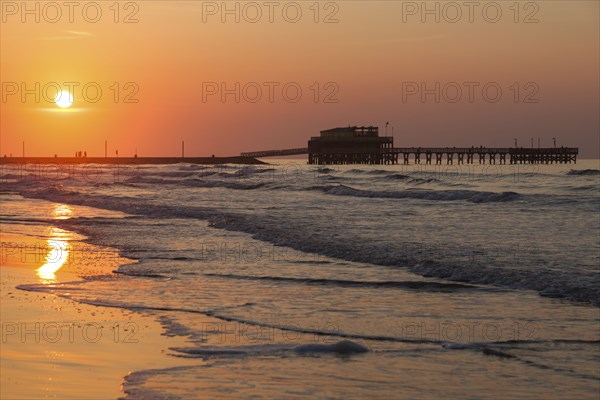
(365, 61)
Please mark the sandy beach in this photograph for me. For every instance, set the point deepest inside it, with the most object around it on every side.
(53, 347)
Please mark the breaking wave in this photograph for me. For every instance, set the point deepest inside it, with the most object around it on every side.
(439, 195)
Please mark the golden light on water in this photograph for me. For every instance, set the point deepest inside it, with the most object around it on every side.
(58, 246)
(61, 211)
(58, 254)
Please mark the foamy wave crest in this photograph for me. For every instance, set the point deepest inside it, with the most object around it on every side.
(197, 167)
(415, 285)
(174, 174)
(548, 283)
(584, 172)
(401, 177)
(436, 195)
(229, 185)
(341, 347)
(370, 171)
(199, 183)
(325, 170)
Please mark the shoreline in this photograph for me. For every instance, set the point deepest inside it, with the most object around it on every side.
(53, 346)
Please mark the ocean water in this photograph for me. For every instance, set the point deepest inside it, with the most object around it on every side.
(290, 280)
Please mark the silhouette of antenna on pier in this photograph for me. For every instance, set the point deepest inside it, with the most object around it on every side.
(363, 145)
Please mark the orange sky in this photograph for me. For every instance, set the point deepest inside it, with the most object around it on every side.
(376, 49)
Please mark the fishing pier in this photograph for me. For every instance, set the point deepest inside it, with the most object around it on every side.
(363, 145)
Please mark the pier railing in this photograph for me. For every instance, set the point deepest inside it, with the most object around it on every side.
(488, 150)
(491, 155)
(438, 155)
(276, 153)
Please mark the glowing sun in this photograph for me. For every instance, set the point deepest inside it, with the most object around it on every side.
(64, 99)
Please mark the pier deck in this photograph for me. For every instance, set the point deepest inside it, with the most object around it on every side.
(363, 145)
(439, 155)
(491, 155)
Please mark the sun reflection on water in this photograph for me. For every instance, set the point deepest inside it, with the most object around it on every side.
(61, 211)
(58, 246)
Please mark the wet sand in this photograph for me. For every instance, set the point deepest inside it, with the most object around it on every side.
(53, 347)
